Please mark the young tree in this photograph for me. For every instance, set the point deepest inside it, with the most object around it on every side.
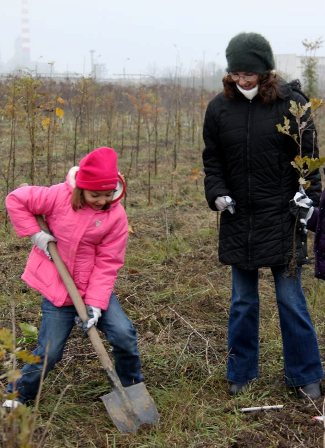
(310, 63)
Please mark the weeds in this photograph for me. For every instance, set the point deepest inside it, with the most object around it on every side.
(17, 424)
(178, 296)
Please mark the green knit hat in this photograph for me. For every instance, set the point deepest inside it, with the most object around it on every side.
(249, 52)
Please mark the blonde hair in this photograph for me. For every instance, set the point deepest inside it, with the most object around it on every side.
(77, 199)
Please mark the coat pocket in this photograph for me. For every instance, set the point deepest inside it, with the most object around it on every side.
(81, 279)
(42, 269)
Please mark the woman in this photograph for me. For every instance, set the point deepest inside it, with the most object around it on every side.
(249, 178)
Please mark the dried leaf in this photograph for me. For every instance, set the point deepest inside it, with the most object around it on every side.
(59, 112)
(315, 164)
(196, 173)
(285, 129)
(298, 110)
(46, 123)
(6, 339)
(315, 103)
(27, 356)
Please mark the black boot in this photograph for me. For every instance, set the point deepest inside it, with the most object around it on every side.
(312, 391)
(236, 389)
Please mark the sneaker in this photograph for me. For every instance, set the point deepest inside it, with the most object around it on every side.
(236, 389)
(11, 404)
(312, 391)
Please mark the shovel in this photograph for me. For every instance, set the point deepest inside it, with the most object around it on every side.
(129, 407)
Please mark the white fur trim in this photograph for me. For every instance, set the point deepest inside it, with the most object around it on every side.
(119, 190)
(72, 176)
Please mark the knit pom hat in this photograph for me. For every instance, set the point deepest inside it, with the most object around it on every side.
(249, 52)
(98, 170)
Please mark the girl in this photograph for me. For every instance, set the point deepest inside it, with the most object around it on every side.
(90, 227)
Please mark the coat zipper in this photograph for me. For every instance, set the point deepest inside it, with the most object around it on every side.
(250, 221)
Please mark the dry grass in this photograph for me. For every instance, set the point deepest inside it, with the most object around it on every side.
(177, 293)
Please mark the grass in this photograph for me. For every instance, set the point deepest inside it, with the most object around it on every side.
(177, 294)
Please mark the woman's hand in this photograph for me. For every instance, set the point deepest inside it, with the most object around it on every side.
(225, 203)
(301, 206)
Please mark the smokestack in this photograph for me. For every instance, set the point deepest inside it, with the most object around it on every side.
(25, 34)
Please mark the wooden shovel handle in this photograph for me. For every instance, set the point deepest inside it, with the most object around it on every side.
(81, 308)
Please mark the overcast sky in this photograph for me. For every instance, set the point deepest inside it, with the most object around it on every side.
(147, 36)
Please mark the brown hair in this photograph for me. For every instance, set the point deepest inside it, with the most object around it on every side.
(269, 87)
(77, 199)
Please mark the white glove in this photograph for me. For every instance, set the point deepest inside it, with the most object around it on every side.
(308, 216)
(225, 203)
(94, 314)
(302, 200)
(41, 240)
(301, 206)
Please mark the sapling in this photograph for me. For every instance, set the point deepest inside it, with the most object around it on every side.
(304, 115)
(17, 425)
(304, 165)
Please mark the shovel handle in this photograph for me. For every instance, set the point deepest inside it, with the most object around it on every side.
(81, 308)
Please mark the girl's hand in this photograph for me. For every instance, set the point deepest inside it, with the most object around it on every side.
(41, 240)
(94, 314)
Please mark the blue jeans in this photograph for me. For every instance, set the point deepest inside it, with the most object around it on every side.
(55, 329)
(302, 363)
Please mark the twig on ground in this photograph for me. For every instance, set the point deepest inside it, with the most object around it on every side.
(262, 408)
(194, 330)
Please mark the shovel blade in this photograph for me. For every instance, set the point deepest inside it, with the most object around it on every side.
(141, 409)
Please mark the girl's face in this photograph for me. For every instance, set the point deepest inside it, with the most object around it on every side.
(245, 80)
(98, 200)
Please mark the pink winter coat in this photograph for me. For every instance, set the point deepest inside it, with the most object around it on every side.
(91, 243)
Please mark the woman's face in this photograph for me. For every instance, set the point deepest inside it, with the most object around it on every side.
(246, 80)
(98, 200)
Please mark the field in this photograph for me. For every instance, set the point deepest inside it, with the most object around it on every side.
(172, 285)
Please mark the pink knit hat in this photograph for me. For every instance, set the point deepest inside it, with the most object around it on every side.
(98, 170)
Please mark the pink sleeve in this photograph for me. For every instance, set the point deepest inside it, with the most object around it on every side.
(24, 203)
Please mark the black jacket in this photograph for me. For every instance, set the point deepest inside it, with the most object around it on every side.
(248, 159)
